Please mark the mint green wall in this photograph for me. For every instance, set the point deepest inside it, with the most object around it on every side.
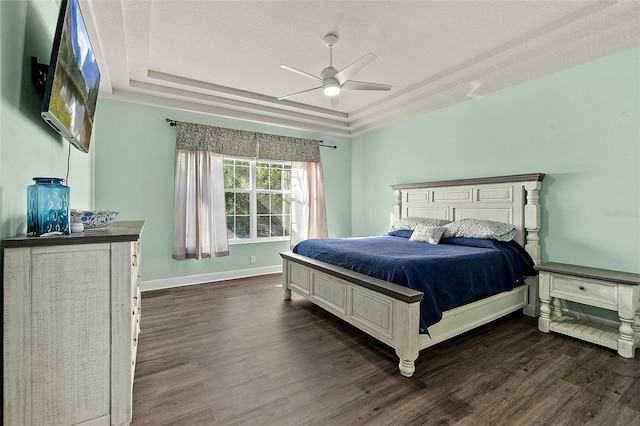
(579, 126)
(28, 146)
(134, 174)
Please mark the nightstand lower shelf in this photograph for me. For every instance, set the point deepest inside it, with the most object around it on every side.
(588, 331)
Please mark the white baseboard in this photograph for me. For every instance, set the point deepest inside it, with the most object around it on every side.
(207, 278)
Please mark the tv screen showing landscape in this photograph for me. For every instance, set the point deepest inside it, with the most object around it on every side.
(73, 79)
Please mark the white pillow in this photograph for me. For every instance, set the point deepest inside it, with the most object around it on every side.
(411, 222)
(484, 229)
(427, 233)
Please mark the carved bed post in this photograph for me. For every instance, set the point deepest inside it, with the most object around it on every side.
(408, 321)
(532, 224)
(533, 220)
(285, 279)
(397, 208)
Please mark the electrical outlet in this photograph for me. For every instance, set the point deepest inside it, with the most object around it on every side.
(253, 259)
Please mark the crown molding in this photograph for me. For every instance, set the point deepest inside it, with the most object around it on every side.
(596, 30)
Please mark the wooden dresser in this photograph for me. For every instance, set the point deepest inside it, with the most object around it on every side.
(612, 290)
(71, 324)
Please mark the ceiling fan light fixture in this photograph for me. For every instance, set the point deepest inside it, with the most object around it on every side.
(333, 81)
(331, 89)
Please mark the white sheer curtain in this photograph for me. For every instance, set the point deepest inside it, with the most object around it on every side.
(308, 212)
(199, 221)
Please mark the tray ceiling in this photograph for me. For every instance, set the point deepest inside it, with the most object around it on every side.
(223, 57)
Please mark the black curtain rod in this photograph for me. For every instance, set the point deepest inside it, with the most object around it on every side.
(172, 123)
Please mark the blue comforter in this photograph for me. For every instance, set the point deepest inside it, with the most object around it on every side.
(449, 274)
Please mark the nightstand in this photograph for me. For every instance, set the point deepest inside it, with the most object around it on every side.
(616, 291)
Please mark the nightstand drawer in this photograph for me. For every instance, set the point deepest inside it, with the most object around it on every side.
(591, 292)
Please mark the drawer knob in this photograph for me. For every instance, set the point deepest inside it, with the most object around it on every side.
(581, 287)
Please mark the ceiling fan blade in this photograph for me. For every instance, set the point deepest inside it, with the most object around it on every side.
(364, 85)
(350, 71)
(298, 93)
(302, 73)
(334, 102)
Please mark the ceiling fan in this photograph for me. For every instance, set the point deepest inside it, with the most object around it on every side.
(334, 81)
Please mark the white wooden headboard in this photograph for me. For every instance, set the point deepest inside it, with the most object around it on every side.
(511, 199)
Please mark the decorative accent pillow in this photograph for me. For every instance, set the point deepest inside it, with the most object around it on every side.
(404, 233)
(410, 222)
(477, 228)
(427, 233)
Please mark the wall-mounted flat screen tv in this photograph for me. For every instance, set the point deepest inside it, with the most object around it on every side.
(73, 78)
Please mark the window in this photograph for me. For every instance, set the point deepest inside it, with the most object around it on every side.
(258, 199)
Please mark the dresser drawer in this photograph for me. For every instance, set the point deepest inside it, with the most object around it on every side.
(135, 261)
(583, 290)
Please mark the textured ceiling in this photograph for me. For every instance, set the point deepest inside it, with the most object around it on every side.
(224, 57)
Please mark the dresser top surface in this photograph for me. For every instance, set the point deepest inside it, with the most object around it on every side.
(593, 273)
(118, 231)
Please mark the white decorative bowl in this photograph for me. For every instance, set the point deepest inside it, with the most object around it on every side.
(93, 219)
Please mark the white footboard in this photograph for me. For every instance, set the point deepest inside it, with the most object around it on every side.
(387, 312)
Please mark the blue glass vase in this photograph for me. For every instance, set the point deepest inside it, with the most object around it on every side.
(47, 207)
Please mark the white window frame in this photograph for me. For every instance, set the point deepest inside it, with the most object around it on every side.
(253, 202)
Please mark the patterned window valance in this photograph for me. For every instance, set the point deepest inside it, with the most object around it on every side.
(274, 147)
(199, 137)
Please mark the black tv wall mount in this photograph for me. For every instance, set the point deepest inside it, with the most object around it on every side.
(39, 74)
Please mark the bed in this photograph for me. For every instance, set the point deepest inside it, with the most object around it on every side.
(390, 312)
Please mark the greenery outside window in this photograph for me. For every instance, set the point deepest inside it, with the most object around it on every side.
(257, 199)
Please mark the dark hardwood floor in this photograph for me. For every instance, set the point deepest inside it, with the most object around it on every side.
(236, 353)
